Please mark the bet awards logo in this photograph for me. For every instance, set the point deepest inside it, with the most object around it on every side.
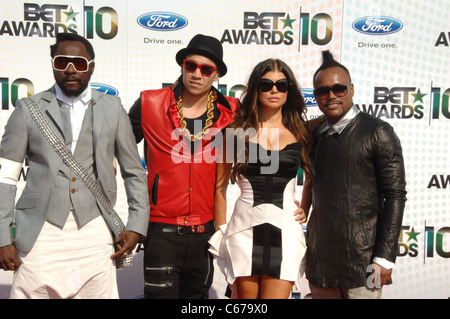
(396, 103)
(262, 28)
(434, 242)
(49, 19)
(408, 103)
(277, 28)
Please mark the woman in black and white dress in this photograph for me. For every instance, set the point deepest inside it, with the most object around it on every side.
(261, 249)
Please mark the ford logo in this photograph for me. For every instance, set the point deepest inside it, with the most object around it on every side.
(105, 88)
(162, 21)
(310, 99)
(377, 25)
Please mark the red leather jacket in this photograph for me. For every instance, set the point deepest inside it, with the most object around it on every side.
(181, 184)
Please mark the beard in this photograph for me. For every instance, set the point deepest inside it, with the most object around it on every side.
(75, 92)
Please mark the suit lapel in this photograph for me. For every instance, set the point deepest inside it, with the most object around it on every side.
(98, 114)
(52, 109)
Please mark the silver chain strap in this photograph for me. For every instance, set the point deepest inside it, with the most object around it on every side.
(69, 160)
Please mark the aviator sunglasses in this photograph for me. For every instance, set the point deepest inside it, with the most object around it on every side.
(266, 85)
(61, 63)
(205, 69)
(323, 92)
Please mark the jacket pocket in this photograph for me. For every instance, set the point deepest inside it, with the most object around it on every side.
(27, 201)
(155, 190)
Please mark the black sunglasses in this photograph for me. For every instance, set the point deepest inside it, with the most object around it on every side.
(323, 92)
(205, 69)
(266, 85)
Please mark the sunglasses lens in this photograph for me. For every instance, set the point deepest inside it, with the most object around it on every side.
(265, 85)
(339, 90)
(282, 86)
(60, 63)
(80, 64)
(206, 70)
(322, 92)
(190, 66)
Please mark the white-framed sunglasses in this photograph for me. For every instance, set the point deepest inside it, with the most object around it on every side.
(80, 63)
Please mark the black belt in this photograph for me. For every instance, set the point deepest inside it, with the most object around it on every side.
(182, 230)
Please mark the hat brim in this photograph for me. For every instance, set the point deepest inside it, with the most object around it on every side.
(183, 53)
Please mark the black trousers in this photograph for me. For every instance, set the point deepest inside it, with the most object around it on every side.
(177, 263)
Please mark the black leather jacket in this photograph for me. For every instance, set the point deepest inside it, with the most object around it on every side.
(358, 202)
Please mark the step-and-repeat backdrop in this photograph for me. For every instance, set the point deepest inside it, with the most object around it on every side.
(397, 53)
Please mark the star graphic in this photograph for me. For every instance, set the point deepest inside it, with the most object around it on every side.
(71, 15)
(412, 234)
(288, 22)
(418, 96)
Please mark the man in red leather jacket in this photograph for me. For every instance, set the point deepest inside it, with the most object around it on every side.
(180, 124)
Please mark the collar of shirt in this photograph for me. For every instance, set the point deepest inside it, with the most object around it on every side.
(84, 97)
(343, 122)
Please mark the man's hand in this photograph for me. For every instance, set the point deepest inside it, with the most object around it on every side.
(126, 243)
(380, 275)
(8, 258)
(385, 275)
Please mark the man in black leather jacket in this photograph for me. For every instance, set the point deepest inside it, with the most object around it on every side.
(358, 193)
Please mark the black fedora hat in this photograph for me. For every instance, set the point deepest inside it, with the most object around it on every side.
(206, 46)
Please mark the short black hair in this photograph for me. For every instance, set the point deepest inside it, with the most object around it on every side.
(60, 37)
(328, 62)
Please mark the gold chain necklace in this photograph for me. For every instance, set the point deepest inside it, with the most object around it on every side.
(208, 123)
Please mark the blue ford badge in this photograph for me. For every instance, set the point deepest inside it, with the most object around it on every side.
(105, 88)
(377, 25)
(310, 99)
(162, 21)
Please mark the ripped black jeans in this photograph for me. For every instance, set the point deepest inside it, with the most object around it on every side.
(177, 264)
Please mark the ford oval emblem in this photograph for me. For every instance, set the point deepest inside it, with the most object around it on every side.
(310, 99)
(162, 21)
(377, 25)
(105, 88)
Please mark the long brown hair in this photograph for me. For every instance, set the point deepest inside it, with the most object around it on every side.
(249, 114)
